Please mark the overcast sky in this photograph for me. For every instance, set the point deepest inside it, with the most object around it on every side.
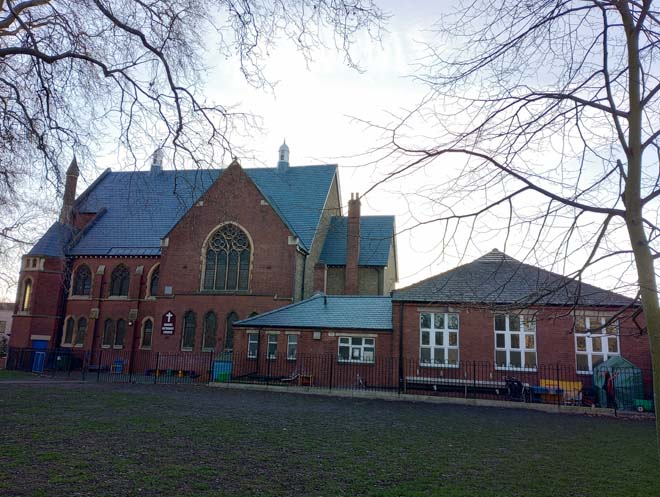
(313, 106)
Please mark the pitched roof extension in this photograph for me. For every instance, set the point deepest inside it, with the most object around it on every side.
(376, 234)
(328, 312)
(497, 279)
(142, 207)
(54, 241)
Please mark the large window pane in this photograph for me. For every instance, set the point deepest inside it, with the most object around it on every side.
(596, 344)
(582, 362)
(530, 359)
(500, 322)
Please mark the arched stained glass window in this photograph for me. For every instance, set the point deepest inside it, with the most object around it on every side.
(227, 261)
(82, 281)
(81, 330)
(119, 281)
(26, 295)
(153, 284)
(67, 339)
(188, 338)
(229, 334)
(147, 334)
(121, 333)
(108, 333)
(210, 327)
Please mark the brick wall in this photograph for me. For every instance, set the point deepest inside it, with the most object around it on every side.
(555, 342)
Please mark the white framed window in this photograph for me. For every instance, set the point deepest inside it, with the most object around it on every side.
(596, 340)
(438, 339)
(292, 347)
(253, 345)
(515, 342)
(357, 349)
(272, 347)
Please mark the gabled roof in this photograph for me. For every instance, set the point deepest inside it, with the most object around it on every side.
(298, 195)
(497, 279)
(142, 207)
(328, 312)
(54, 241)
(376, 234)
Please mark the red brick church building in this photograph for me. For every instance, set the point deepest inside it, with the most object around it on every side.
(167, 260)
(262, 262)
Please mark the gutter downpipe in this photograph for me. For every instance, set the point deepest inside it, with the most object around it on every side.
(401, 377)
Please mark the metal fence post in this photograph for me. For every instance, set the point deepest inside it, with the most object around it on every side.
(156, 370)
(211, 369)
(558, 388)
(332, 369)
(98, 368)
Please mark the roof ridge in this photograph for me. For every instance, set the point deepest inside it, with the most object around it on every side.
(289, 306)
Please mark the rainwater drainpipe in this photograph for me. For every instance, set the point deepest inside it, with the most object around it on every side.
(401, 378)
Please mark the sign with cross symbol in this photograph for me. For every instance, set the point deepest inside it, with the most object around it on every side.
(169, 323)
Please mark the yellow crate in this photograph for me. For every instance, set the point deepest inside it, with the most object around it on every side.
(572, 389)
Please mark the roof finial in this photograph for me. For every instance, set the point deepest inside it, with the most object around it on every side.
(157, 161)
(283, 162)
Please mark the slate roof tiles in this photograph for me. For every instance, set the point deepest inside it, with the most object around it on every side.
(141, 207)
(497, 279)
(328, 312)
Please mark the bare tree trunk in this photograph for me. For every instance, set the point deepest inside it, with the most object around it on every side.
(634, 205)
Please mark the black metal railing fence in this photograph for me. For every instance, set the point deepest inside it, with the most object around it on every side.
(620, 388)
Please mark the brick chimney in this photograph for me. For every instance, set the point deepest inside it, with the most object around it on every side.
(69, 192)
(352, 246)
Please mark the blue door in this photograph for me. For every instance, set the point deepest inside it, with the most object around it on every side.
(39, 359)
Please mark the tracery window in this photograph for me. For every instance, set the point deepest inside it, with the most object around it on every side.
(227, 260)
(119, 281)
(82, 281)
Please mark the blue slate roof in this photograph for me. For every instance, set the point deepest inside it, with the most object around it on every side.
(298, 195)
(328, 312)
(497, 279)
(376, 234)
(142, 207)
(54, 241)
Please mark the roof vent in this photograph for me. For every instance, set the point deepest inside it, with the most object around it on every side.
(157, 161)
(283, 161)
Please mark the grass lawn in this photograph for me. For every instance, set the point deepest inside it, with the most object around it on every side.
(125, 440)
(6, 375)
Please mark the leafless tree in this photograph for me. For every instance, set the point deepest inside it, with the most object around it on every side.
(543, 118)
(75, 74)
